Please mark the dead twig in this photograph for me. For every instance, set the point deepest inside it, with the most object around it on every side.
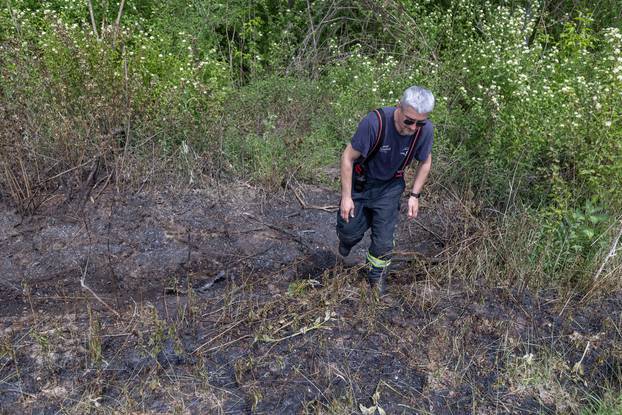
(291, 235)
(69, 170)
(578, 367)
(103, 188)
(234, 325)
(89, 184)
(611, 254)
(319, 323)
(21, 392)
(87, 288)
(226, 344)
(304, 205)
(428, 230)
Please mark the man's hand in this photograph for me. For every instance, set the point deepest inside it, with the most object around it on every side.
(347, 208)
(413, 207)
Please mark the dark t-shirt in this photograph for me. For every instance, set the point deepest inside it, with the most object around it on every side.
(390, 155)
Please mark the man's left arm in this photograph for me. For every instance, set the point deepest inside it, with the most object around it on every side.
(423, 169)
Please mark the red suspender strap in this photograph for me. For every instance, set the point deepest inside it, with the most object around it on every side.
(378, 136)
(359, 166)
(411, 150)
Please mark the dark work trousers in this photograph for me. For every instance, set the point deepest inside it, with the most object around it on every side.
(377, 206)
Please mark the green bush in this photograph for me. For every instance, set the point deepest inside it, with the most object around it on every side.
(80, 95)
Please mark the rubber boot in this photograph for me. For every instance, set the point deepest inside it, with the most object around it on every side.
(344, 250)
(377, 279)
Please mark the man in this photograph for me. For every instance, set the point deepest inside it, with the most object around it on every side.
(372, 179)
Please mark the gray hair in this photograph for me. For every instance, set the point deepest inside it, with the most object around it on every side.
(419, 99)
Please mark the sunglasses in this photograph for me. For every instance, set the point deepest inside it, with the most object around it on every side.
(409, 121)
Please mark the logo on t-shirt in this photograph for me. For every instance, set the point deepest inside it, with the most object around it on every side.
(385, 149)
(404, 151)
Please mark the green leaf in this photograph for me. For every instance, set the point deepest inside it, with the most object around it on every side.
(596, 219)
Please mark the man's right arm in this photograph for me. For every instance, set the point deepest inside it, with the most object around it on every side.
(347, 161)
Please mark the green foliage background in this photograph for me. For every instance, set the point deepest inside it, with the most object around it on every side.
(528, 99)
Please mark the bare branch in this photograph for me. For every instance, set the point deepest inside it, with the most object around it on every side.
(117, 22)
(92, 14)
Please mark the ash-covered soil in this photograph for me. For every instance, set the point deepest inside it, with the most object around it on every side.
(133, 247)
(232, 301)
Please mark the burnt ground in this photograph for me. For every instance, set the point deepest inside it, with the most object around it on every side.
(232, 301)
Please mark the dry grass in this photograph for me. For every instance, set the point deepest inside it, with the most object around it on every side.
(260, 345)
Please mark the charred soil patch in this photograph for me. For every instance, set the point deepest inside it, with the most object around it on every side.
(232, 301)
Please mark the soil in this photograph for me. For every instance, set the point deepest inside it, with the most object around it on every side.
(231, 300)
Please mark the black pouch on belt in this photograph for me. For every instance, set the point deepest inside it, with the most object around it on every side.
(359, 178)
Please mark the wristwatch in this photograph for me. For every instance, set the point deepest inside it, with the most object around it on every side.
(415, 195)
